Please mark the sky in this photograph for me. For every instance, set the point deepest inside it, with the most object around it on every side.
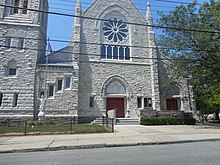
(60, 27)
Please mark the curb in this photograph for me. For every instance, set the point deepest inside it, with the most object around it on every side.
(93, 146)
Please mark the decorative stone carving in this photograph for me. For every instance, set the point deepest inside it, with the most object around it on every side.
(115, 30)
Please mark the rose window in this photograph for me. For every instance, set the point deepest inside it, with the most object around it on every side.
(115, 30)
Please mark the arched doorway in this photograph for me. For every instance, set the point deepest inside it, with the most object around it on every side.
(173, 98)
(116, 98)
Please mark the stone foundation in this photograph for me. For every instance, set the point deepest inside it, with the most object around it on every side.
(59, 119)
(14, 120)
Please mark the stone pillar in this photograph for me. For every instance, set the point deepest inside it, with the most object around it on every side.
(76, 49)
(153, 61)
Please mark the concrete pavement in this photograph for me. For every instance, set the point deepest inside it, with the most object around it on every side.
(123, 136)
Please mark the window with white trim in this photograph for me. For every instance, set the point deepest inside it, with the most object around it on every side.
(8, 43)
(12, 71)
(59, 85)
(21, 43)
(144, 102)
(67, 82)
(11, 68)
(147, 102)
(51, 91)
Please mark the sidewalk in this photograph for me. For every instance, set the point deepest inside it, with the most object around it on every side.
(123, 136)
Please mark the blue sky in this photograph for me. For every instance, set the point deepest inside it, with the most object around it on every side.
(60, 27)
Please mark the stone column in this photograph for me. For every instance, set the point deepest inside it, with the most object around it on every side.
(153, 61)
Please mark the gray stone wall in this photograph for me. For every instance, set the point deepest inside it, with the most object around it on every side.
(93, 77)
(2, 10)
(63, 101)
(94, 71)
(91, 29)
(31, 16)
(90, 74)
(23, 83)
(180, 88)
(15, 120)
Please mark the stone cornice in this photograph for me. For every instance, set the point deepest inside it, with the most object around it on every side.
(19, 23)
(118, 62)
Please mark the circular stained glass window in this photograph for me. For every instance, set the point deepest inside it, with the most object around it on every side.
(115, 30)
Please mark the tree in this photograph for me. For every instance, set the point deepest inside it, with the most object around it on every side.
(194, 41)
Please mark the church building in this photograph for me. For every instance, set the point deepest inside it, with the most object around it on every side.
(111, 62)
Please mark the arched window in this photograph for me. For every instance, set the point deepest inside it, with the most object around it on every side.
(115, 33)
(116, 88)
(11, 68)
(115, 52)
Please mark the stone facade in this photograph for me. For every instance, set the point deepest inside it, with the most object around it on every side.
(180, 89)
(110, 62)
(22, 41)
(134, 74)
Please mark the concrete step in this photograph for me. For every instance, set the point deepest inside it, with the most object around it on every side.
(97, 121)
(119, 121)
(56, 112)
(127, 121)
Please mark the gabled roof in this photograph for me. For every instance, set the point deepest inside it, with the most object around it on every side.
(95, 1)
(60, 57)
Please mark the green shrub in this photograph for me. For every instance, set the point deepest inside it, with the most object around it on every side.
(168, 121)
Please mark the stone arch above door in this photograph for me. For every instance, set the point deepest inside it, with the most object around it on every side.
(115, 88)
(114, 83)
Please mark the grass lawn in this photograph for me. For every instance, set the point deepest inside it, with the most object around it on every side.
(56, 129)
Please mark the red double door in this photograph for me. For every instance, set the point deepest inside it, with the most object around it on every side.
(172, 104)
(118, 104)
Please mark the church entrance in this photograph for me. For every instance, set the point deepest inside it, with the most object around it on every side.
(115, 93)
(172, 104)
(118, 104)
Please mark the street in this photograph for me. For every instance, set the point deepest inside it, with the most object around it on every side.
(203, 153)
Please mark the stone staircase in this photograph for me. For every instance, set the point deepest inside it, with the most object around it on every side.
(127, 121)
(97, 121)
(119, 121)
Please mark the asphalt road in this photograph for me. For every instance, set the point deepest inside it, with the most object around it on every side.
(206, 153)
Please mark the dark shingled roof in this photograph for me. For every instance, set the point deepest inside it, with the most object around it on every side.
(60, 57)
